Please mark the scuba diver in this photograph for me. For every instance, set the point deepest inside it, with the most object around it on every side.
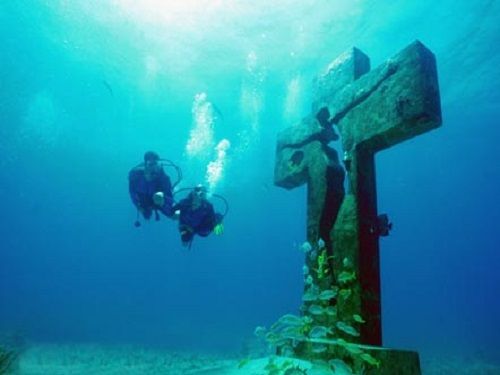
(197, 216)
(150, 187)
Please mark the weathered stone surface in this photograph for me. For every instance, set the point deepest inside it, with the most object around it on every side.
(304, 157)
(396, 101)
(372, 110)
(292, 161)
(339, 74)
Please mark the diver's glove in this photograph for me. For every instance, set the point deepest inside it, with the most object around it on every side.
(219, 229)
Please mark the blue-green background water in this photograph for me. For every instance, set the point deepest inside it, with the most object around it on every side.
(87, 86)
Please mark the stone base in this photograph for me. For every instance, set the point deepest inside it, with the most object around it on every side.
(394, 361)
(364, 359)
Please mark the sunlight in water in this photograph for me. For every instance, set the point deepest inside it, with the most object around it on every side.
(292, 106)
(170, 12)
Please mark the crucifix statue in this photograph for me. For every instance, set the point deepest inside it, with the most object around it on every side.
(369, 111)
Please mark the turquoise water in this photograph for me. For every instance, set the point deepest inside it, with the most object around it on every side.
(88, 86)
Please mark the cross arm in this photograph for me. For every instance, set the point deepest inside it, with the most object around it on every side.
(394, 102)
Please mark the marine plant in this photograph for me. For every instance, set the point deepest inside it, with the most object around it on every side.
(9, 355)
(323, 267)
(321, 330)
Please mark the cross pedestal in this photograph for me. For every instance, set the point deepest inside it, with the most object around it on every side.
(372, 110)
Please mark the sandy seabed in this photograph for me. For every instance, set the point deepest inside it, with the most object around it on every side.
(78, 359)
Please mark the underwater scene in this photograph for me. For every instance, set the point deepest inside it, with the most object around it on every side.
(249, 187)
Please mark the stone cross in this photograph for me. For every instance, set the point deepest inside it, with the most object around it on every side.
(372, 110)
